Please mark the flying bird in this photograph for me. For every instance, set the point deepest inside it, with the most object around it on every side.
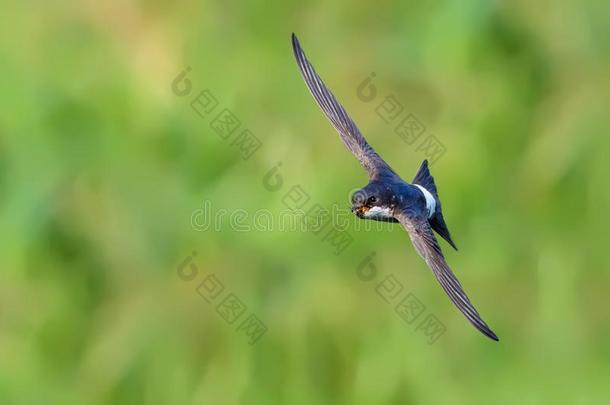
(387, 197)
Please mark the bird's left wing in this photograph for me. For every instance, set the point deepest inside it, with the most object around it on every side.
(334, 111)
(427, 246)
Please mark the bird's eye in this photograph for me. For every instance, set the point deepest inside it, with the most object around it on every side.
(372, 200)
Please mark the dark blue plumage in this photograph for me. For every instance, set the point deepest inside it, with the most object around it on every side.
(387, 197)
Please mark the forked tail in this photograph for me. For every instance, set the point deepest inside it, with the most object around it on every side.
(437, 222)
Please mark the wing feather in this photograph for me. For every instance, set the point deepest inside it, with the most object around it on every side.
(428, 248)
(338, 117)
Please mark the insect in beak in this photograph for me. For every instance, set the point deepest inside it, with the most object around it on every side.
(360, 210)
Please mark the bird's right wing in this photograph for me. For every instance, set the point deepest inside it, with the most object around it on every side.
(334, 111)
(426, 245)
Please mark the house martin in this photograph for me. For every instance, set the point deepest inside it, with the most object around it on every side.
(387, 197)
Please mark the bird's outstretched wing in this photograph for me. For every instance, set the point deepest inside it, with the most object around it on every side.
(426, 245)
(334, 111)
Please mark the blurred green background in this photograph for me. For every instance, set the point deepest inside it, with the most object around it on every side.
(102, 168)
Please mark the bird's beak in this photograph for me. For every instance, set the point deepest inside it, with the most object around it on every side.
(359, 210)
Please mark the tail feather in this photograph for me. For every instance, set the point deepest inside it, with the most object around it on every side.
(425, 179)
(437, 222)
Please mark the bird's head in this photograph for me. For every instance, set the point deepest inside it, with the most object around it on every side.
(373, 201)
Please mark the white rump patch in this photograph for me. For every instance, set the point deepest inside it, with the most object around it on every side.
(378, 212)
(430, 200)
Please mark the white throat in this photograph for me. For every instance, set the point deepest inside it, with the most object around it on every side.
(430, 200)
(378, 212)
